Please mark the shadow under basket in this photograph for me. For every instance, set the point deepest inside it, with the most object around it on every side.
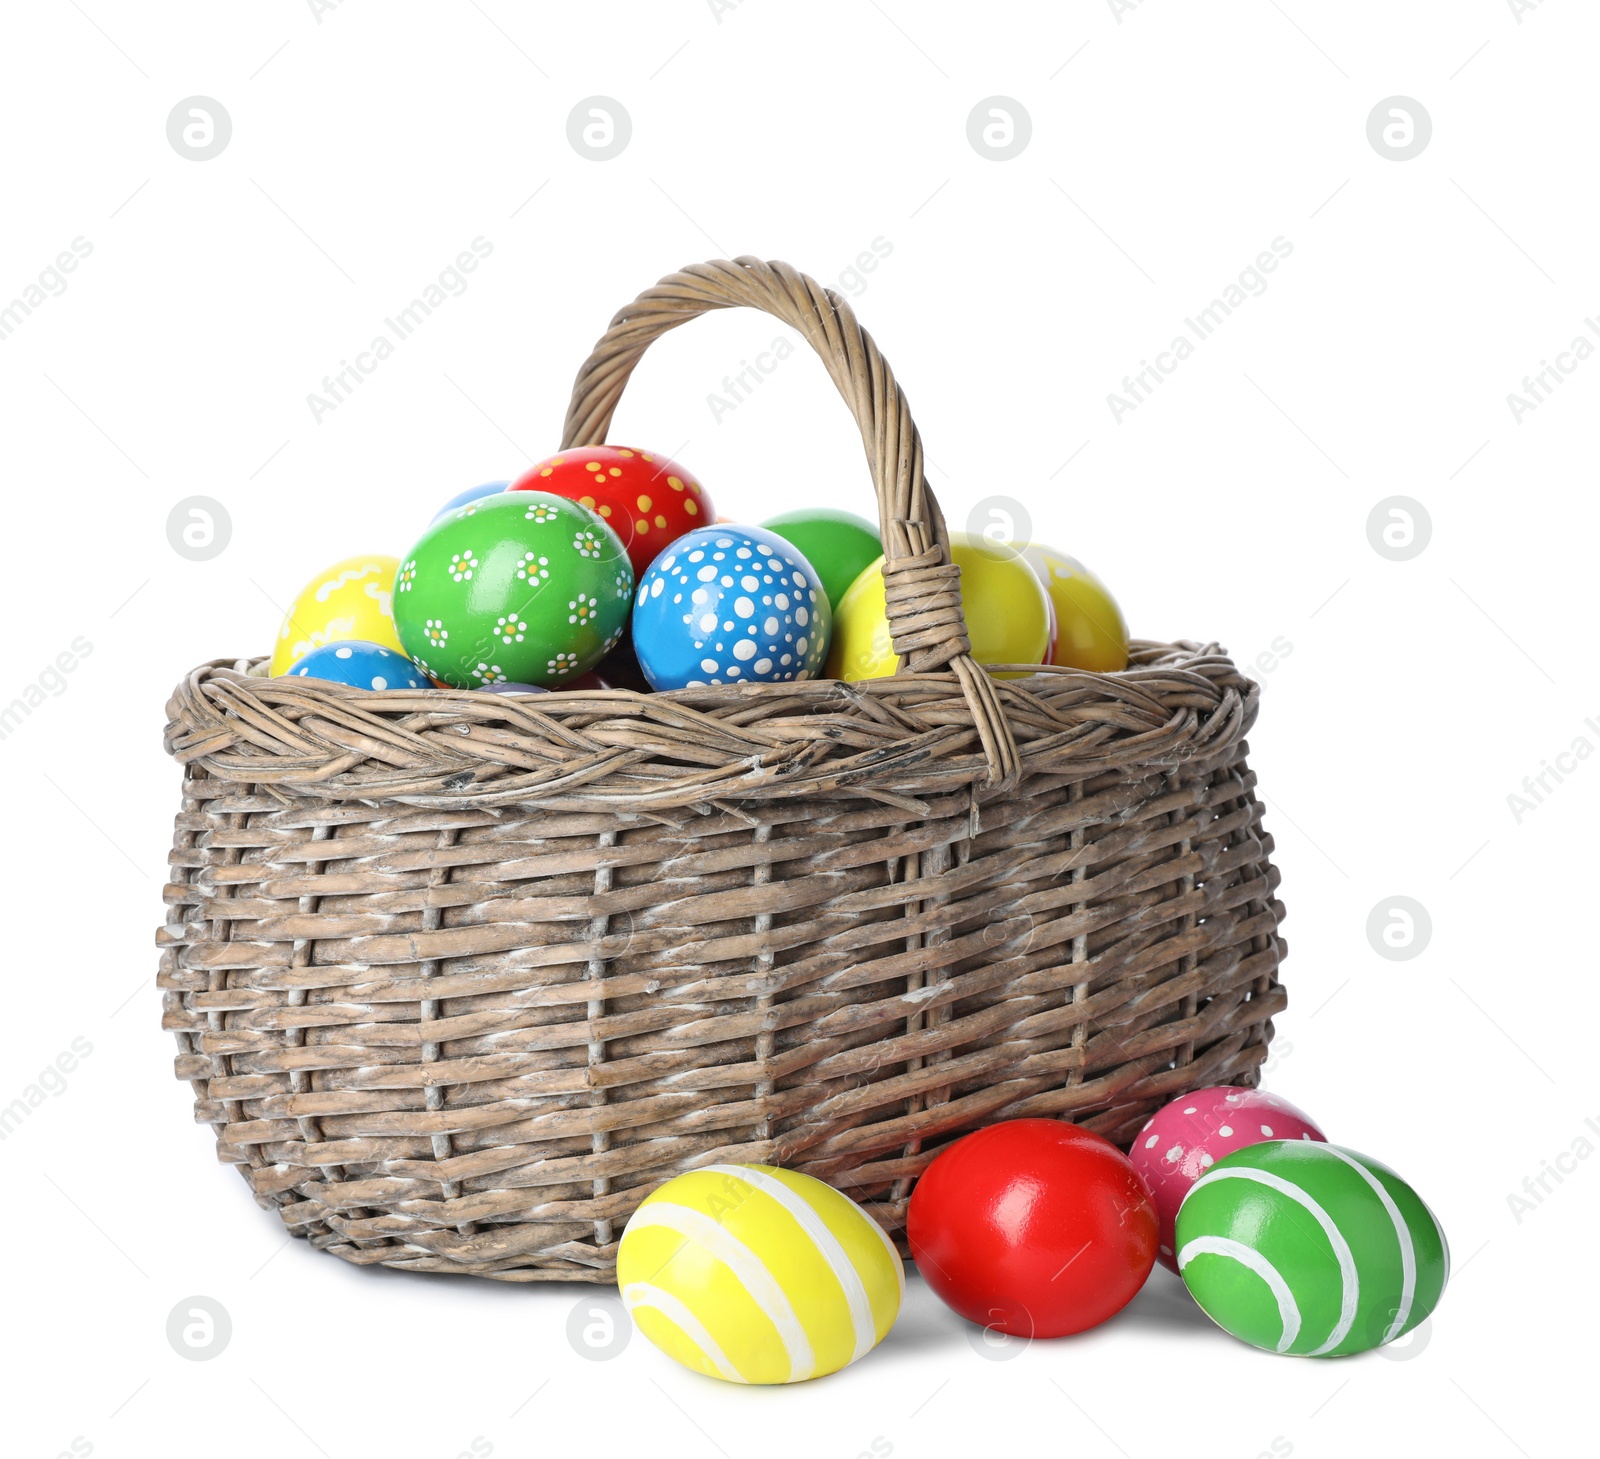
(459, 979)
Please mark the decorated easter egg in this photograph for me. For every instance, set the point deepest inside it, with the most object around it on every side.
(520, 587)
(840, 545)
(1033, 1227)
(728, 605)
(1007, 613)
(1090, 630)
(350, 600)
(1310, 1249)
(758, 1275)
(361, 665)
(646, 498)
(1184, 1139)
(471, 494)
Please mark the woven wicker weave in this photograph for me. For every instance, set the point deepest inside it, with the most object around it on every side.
(459, 979)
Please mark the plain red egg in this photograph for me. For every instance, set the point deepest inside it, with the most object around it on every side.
(646, 498)
(1033, 1227)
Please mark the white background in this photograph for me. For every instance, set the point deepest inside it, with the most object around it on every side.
(1170, 145)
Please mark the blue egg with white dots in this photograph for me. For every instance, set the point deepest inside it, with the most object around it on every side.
(730, 605)
(361, 665)
(471, 494)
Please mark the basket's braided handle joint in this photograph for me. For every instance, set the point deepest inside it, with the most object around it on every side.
(924, 603)
(922, 585)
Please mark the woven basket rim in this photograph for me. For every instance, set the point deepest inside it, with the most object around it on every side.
(901, 738)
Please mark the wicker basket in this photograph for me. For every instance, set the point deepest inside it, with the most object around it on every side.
(458, 979)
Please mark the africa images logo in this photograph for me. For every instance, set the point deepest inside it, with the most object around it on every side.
(451, 283)
(1251, 282)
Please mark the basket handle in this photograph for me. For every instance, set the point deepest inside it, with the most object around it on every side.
(922, 584)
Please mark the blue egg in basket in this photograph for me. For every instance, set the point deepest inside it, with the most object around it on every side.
(470, 495)
(361, 665)
(728, 604)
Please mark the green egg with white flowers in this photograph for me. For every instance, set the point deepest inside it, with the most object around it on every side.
(525, 588)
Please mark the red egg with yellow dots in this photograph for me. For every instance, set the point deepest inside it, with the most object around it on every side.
(646, 498)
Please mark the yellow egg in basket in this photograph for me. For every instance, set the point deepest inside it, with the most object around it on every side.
(350, 599)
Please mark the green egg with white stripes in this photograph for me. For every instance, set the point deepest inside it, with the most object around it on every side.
(754, 1274)
(1310, 1249)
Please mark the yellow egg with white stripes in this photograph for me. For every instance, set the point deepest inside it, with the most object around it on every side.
(758, 1275)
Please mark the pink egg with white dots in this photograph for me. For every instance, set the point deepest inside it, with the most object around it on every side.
(1183, 1140)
